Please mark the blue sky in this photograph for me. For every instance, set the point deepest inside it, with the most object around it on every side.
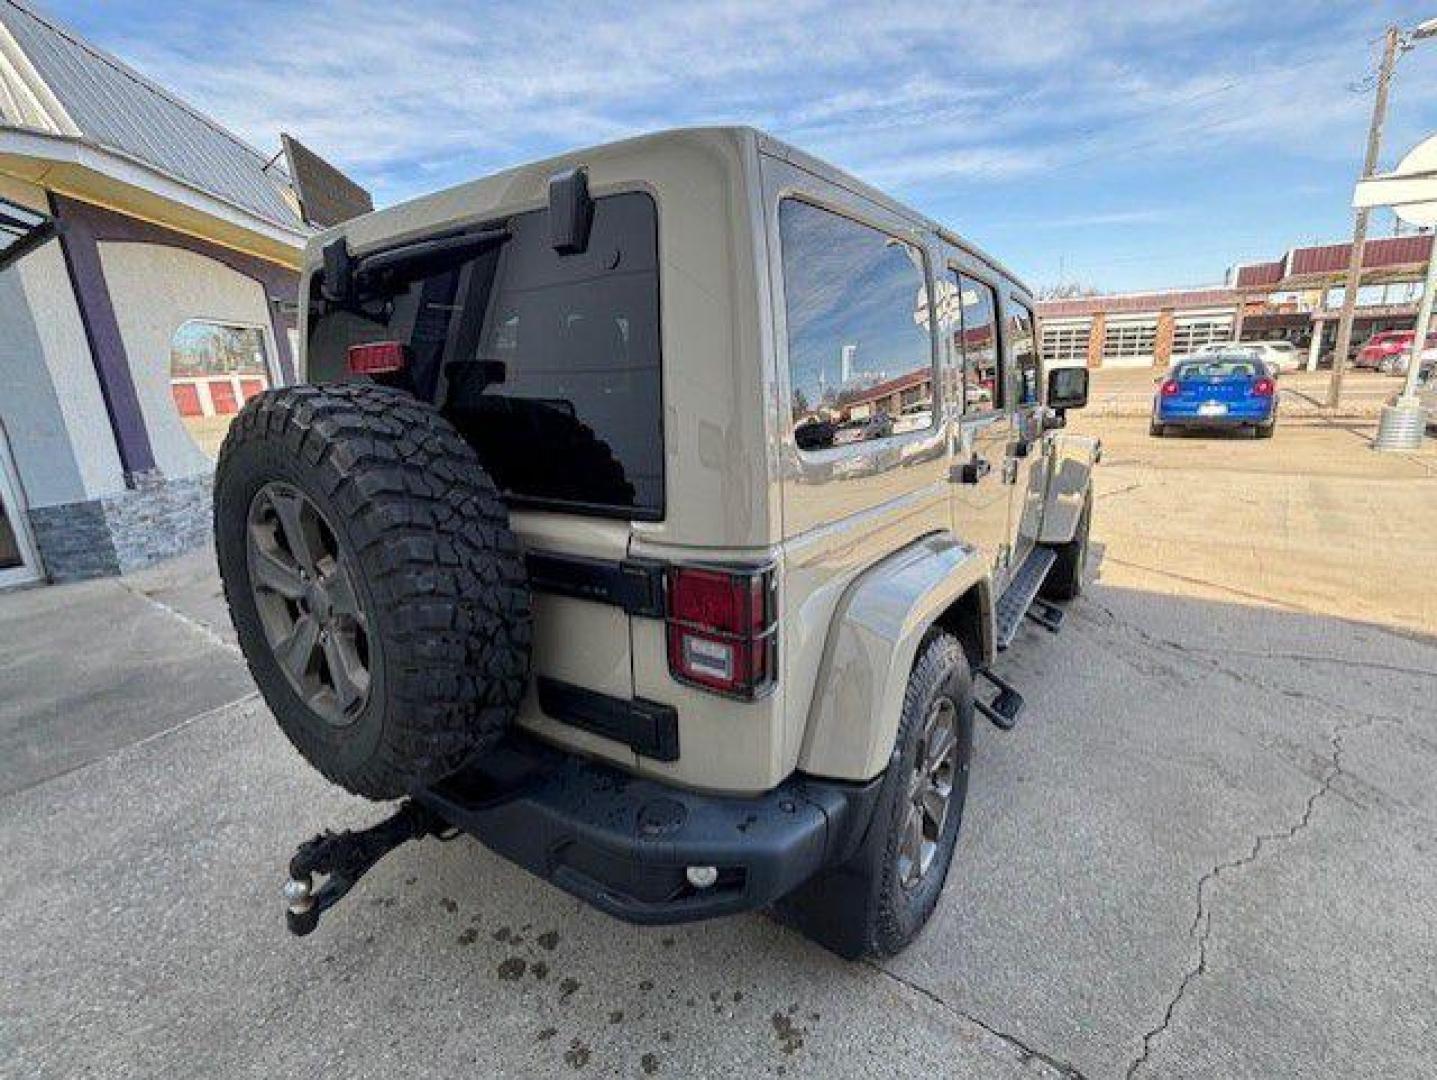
(1123, 144)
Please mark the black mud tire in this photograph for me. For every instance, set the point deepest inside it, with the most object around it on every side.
(863, 908)
(1065, 578)
(426, 542)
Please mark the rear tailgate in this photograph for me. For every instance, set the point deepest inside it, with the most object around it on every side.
(582, 689)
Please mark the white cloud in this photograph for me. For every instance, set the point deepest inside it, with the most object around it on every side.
(409, 95)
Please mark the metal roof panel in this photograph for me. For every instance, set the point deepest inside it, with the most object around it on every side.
(115, 106)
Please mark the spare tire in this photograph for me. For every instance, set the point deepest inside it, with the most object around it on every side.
(378, 593)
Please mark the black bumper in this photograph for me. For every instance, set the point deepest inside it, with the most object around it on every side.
(622, 843)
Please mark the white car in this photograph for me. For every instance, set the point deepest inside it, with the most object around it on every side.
(917, 416)
(1280, 356)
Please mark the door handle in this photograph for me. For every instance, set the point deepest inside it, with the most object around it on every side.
(970, 471)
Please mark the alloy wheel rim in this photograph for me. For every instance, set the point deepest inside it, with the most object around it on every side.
(930, 792)
(312, 616)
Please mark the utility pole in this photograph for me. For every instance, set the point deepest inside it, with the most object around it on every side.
(1359, 232)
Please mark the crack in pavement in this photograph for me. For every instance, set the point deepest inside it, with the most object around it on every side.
(1026, 1053)
(1201, 927)
(1307, 658)
(1209, 656)
(1119, 491)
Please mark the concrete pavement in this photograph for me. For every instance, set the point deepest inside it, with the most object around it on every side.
(1207, 850)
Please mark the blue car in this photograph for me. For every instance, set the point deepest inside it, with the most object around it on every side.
(1221, 390)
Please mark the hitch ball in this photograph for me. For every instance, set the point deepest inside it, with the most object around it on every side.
(299, 894)
(701, 877)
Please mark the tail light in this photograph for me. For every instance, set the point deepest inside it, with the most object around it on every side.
(1169, 387)
(721, 629)
(1263, 387)
(377, 358)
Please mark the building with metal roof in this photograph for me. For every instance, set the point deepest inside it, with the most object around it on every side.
(1294, 298)
(148, 276)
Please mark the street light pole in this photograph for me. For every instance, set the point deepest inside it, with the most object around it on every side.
(1359, 231)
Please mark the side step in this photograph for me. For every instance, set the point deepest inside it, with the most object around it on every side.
(1048, 616)
(1018, 597)
(1007, 704)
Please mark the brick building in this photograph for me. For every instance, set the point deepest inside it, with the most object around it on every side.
(1295, 298)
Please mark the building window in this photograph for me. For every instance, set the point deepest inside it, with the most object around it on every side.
(859, 345)
(1066, 342)
(1191, 334)
(1130, 340)
(214, 369)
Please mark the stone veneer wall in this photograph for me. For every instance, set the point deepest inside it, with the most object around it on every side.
(119, 533)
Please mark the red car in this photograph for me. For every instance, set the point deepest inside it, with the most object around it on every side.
(1381, 345)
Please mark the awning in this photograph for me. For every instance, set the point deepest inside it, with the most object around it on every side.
(106, 177)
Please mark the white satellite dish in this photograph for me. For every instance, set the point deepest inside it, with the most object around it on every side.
(1410, 190)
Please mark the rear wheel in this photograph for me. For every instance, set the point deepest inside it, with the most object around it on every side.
(377, 592)
(1265, 431)
(877, 903)
(1156, 429)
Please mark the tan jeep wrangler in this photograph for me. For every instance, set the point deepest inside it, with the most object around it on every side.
(649, 513)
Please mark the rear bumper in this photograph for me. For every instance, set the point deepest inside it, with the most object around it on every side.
(1235, 415)
(622, 844)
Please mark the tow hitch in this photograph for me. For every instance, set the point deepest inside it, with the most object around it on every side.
(345, 857)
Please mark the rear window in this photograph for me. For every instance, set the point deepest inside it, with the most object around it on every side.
(549, 365)
(1217, 369)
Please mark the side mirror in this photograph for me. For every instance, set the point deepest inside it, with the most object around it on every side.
(1067, 388)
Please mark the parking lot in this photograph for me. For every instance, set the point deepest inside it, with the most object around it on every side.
(1207, 850)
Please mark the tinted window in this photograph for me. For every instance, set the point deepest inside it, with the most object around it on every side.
(1218, 369)
(859, 349)
(1025, 354)
(549, 365)
(978, 345)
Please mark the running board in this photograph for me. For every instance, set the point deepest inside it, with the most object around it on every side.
(1018, 597)
(1007, 704)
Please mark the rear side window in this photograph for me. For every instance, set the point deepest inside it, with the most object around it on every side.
(549, 365)
(860, 354)
(978, 345)
(1025, 354)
